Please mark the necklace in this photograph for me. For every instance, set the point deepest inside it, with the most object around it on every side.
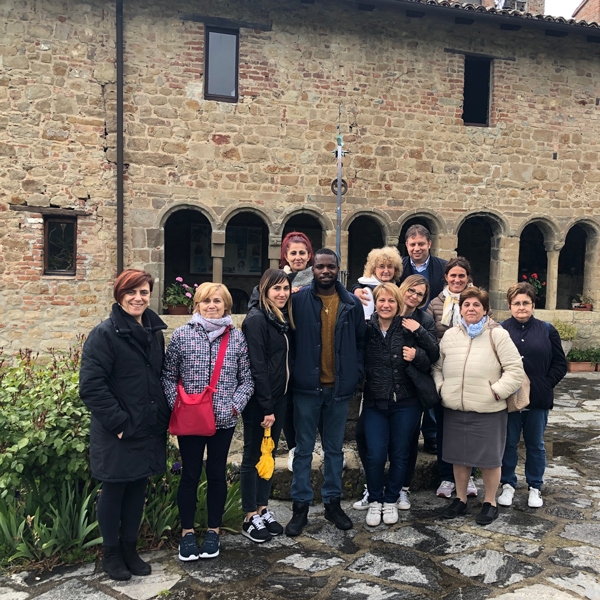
(327, 306)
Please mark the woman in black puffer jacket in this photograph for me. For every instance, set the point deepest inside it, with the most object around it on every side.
(267, 329)
(391, 408)
(119, 382)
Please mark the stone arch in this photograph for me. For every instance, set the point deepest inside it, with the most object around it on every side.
(204, 210)
(313, 211)
(245, 248)
(233, 211)
(548, 226)
(501, 226)
(381, 218)
(184, 245)
(365, 232)
(577, 262)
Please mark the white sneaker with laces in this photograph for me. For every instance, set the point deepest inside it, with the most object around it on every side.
(374, 514)
(390, 513)
(445, 490)
(363, 503)
(471, 488)
(506, 497)
(403, 501)
(535, 498)
(291, 459)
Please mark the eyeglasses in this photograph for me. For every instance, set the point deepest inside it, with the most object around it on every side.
(413, 292)
(523, 304)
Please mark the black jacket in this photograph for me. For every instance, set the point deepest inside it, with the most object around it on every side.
(425, 336)
(270, 352)
(386, 377)
(544, 361)
(119, 382)
(349, 342)
(435, 275)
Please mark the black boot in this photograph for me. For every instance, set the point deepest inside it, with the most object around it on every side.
(299, 519)
(335, 514)
(132, 559)
(113, 563)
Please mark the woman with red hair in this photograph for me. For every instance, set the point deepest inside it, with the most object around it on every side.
(119, 382)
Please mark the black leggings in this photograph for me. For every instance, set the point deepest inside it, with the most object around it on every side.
(120, 509)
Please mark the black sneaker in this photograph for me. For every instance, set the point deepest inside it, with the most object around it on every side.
(457, 508)
(335, 514)
(255, 530)
(488, 514)
(210, 545)
(273, 527)
(188, 547)
(430, 445)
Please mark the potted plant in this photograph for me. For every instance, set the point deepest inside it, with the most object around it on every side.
(581, 361)
(179, 297)
(538, 285)
(583, 303)
(567, 332)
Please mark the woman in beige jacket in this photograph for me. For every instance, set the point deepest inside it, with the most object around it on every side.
(474, 387)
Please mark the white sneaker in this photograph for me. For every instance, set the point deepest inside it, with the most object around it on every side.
(291, 459)
(363, 503)
(390, 513)
(445, 490)
(403, 501)
(374, 515)
(506, 497)
(535, 498)
(471, 488)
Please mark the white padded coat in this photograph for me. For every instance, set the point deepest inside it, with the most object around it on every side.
(468, 374)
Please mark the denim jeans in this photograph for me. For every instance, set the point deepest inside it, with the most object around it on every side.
(255, 489)
(308, 409)
(389, 432)
(533, 424)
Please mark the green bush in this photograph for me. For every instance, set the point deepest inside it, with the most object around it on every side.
(44, 427)
(567, 331)
(584, 355)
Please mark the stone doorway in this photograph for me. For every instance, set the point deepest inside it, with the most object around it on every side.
(533, 259)
(246, 257)
(187, 248)
(364, 234)
(475, 244)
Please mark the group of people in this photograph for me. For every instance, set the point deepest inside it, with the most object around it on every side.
(412, 331)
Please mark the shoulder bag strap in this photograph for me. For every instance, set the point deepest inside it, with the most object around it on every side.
(494, 346)
(220, 358)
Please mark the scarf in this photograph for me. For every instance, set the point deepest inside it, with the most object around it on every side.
(474, 329)
(271, 318)
(299, 278)
(213, 327)
(142, 334)
(450, 311)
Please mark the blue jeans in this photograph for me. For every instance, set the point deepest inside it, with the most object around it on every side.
(533, 424)
(389, 432)
(308, 409)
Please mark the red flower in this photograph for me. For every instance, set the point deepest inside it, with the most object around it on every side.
(543, 283)
(534, 275)
(524, 276)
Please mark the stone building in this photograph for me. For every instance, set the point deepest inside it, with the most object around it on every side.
(480, 123)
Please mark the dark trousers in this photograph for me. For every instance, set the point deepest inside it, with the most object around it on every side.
(255, 489)
(120, 509)
(192, 452)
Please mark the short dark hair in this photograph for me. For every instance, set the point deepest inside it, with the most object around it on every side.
(458, 261)
(475, 292)
(417, 229)
(330, 253)
(520, 288)
(130, 279)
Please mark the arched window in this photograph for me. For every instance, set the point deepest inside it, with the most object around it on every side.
(364, 234)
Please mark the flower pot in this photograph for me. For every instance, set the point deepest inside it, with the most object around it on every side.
(583, 307)
(179, 309)
(581, 367)
(566, 345)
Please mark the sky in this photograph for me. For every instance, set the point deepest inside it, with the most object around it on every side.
(561, 8)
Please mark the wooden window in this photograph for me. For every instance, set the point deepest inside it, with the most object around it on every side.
(60, 245)
(221, 60)
(476, 105)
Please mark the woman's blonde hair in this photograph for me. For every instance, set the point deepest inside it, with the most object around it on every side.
(207, 289)
(270, 278)
(411, 281)
(387, 254)
(392, 289)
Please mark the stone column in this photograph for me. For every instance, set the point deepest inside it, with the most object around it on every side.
(218, 253)
(552, 253)
(392, 240)
(504, 268)
(444, 245)
(274, 251)
(590, 270)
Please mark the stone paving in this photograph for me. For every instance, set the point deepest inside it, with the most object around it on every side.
(552, 553)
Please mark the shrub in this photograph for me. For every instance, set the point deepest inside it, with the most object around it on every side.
(567, 331)
(581, 355)
(44, 426)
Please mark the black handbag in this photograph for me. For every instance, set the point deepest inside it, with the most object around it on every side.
(426, 390)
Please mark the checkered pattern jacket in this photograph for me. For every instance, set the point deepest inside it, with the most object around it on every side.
(191, 358)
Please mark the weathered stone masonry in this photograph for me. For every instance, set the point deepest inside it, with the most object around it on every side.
(270, 154)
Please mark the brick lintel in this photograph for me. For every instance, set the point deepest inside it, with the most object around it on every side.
(47, 210)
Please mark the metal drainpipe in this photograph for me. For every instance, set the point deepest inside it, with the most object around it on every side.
(120, 164)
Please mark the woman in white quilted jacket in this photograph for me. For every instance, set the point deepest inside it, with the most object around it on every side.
(479, 367)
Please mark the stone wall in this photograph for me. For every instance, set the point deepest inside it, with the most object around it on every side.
(397, 82)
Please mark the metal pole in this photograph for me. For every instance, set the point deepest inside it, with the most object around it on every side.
(338, 231)
(120, 162)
